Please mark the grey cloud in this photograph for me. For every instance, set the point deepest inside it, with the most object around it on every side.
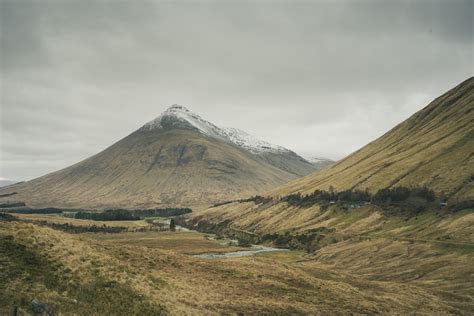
(321, 77)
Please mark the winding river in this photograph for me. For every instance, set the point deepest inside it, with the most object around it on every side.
(253, 250)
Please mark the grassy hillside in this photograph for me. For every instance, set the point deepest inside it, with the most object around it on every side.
(150, 274)
(414, 242)
(434, 147)
(160, 167)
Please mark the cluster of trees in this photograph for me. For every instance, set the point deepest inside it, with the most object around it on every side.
(162, 212)
(12, 204)
(414, 195)
(46, 210)
(84, 229)
(109, 215)
(321, 196)
(462, 205)
(131, 215)
(257, 199)
(400, 194)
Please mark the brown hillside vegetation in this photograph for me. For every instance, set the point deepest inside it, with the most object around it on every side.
(381, 241)
(83, 274)
(434, 147)
(161, 167)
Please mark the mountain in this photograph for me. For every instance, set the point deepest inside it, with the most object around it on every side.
(320, 163)
(433, 148)
(6, 182)
(176, 159)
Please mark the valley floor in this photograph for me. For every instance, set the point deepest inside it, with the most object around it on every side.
(151, 273)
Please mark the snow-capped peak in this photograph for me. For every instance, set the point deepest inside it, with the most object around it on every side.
(180, 116)
(249, 142)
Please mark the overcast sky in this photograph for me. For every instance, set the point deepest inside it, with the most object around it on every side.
(320, 77)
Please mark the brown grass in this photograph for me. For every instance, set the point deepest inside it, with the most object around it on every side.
(347, 277)
(181, 242)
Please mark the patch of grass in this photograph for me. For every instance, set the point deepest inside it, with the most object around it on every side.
(453, 247)
(22, 270)
(283, 256)
(26, 274)
(105, 297)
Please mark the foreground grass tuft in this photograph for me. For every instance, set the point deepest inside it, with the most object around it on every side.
(26, 274)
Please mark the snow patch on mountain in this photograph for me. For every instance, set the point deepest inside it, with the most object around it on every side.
(249, 142)
(181, 114)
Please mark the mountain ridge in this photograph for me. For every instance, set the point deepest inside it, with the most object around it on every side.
(177, 159)
(432, 151)
(433, 147)
(180, 116)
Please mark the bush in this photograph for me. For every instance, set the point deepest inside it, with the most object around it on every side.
(462, 206)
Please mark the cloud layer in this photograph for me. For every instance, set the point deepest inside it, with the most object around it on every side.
(322, 78)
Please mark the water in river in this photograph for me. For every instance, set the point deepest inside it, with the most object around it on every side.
(253, 250)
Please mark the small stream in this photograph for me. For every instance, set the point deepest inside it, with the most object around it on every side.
(253, 250)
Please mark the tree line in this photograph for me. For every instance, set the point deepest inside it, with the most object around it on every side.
(414, 197)
(257, 199)
(131, 215)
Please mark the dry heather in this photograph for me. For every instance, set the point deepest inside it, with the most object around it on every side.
(434, 147)
(369, 220)
(110, 278)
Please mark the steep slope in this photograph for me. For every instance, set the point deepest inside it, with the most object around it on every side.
(178, 116)
(434, 147)
(4, 183)
(176, 159)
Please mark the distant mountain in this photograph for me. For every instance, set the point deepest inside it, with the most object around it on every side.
(176, 159)
(320, 163)
(4, 183)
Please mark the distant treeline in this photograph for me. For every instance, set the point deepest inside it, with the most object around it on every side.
(394, 195)
(412, 199)
(46, 210)
(66, 227)
(257, 199)
(131, 215)
(109, 215)
(12, 204)
(384, 196)
(162, 212)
